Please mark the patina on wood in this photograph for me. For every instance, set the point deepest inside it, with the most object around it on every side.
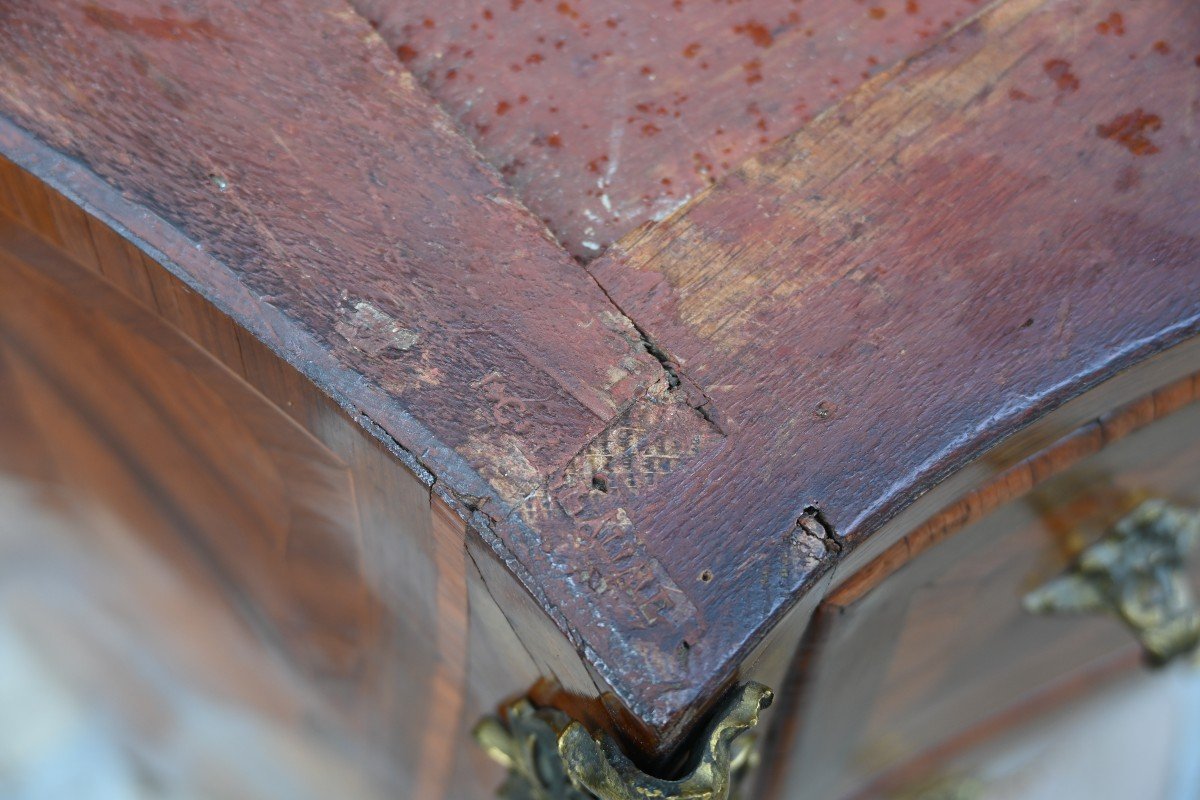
(199, 519)
(928, 648)
(293, 172)
(952, 253)
(605, 114)
(767, 379)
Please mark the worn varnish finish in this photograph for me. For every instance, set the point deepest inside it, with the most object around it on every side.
(316, 193)
(196, 544)
(955, 255)
(243, 540)
(605, 114)
(954, 252)
(339, 220)
(1021, 479)
(930, 641)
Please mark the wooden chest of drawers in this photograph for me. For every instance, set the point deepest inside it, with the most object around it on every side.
(407, 399)
(931, 650)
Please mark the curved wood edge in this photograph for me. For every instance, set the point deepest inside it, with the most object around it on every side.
(667, 516)
(1004, 487)
(1017, 481)
(282, 165)
(970, 254)
(416, 552)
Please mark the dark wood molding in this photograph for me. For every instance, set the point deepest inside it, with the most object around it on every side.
(953, 256)
(1008, 486)
(1018, 480)
(980, 249)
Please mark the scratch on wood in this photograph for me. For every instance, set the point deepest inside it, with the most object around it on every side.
(371, 330)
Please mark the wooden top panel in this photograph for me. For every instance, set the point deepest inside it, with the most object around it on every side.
(289, 169)
(962, 246)
(953, 252)
(604, 114)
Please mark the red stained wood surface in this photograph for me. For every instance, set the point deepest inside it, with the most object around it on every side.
(130, 404)
(936, 641)
(954, 252)
(961, 247)
(287, 167)
(604, 114)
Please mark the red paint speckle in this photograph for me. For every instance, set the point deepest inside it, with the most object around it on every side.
(758, 33)
(1130, 130)
(753, 71)
(1060, 72)
(1114, 24)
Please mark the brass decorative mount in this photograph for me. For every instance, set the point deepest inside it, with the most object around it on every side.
(550, 757)
(1137, 572)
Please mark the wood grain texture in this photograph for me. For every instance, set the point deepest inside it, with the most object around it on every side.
(235, 506)
(607, 114)
(290, 170)
(839, 325)
(345, 225)
(956, 251)
(209, 559)
(1020, 480)
(931, 639)
(292, 177)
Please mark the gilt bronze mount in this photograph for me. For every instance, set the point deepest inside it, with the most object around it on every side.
(1137, 572)
(550, 757)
